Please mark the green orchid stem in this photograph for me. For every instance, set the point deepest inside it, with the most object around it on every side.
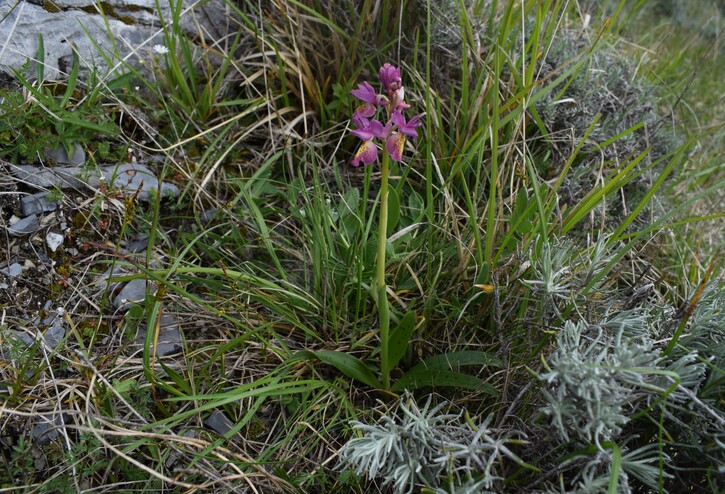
(382, 288)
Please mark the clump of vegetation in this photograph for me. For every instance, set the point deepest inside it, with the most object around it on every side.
(493, 313)
(424, 446)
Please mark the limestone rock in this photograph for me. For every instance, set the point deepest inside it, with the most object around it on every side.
(133, 24)
(128, 177)
(23, 226)
(37, 203)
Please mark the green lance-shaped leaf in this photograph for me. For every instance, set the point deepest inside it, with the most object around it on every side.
(399, 338)
(351, 366)
(393, 208)
(442, 371)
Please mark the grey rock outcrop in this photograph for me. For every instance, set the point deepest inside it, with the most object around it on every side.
(132, 26)
(131, 178)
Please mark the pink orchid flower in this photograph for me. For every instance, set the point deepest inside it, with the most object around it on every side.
(371, 100)
(395, 144)
(368, 130)
(393, 134)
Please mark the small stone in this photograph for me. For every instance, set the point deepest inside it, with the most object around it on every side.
(132, 178)
(54, 334)
(169, 341)
(46, 428)
(133, 293)
(169, 190)
(13, 271)
(128, 177)
(174, 456)
(29, 224)
(139, 245)
(59, 155)
(105, 278)
(206, 216)
(218, 422)
(53, 240)
(62, 177)
(37, 203)
(22, 336)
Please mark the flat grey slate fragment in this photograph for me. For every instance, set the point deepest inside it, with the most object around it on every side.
(133, 177)
(13, 271)
(63, 177)
(132, 293)
(37, 203)
(46, 428)
(206, 216)
(29, 224)
(138, 245)
(110, 273)
(60, 156)
(22, 336)
(218, 422)
(55, 333)
(169, 341)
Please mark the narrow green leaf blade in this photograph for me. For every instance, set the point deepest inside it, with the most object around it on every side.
(72, 79)
(40, 67)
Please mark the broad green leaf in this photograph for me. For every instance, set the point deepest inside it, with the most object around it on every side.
(441, 371)
(399, 338)
(416, 204)
(123, 81)
(349, 203)
(352, 367)
(348, 215)
(420, 377)
(350, 225)
(453, 360)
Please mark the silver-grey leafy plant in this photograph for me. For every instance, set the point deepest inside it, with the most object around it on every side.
(425, 446)
(600, 375)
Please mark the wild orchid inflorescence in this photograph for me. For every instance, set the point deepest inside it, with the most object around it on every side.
(392, 135)
(369, 128)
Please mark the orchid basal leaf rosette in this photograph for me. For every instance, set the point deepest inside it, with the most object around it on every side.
(370, 130)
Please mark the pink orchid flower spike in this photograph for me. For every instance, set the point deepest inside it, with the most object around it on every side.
(392, 135)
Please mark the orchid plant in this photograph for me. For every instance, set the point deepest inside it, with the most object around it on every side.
(392, 135)
(390, 138)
